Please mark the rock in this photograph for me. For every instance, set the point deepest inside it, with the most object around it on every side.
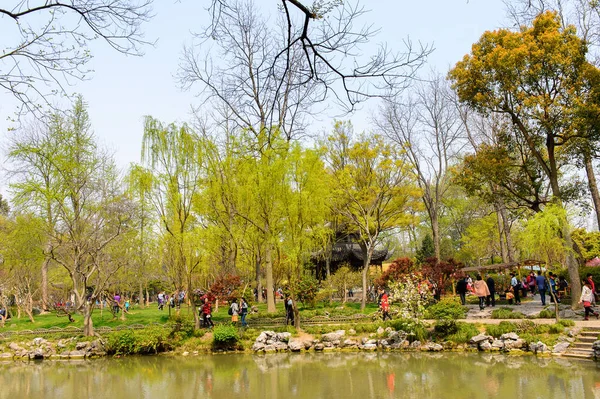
(518, 344)
(352, 331)
(333, 336)
(262, 337)
(480, 338)
(485, 346)
(14, 347)
(371, 342)
(186, 353)
(415, 344)
(596, 348)
(284, 336)
(497, 344)
(380, 331)
(349, 343)
(76, 355)
(82, 345)
(280, 346)
(389, 329)
(364, 340)
(258, 347)
(6, 355)
(538, 347)
(567, 314)
(369, 347)
(39, 341)
(560, 347)
(269, 348)
(384, 343)
(510, 335)
(431, 347)
(319, 347)
(295, 345)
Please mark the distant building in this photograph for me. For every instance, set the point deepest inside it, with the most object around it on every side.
(346, 252)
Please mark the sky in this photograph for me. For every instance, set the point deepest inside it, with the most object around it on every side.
(124, 89)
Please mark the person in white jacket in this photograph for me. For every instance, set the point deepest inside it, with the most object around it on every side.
(587, 298)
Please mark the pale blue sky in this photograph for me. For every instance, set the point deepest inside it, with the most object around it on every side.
(124, 89)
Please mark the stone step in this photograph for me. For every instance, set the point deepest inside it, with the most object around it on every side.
(591, 334)
(582, 345)
(591, 340)
(577, 355)
(586, 329)
(588, 352)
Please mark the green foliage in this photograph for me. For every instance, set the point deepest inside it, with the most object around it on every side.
(181, 327)
(225, 335)
(594, 271)
(457, 332)
(306, 289)
(588, 243)
(506, 313)
(547, 314)
(448, 308)
(496, 330)
(138, 342)
(427, 249)
(407, 298)
(396, 271)
(541, 237)
(415, 329)
(566, 323)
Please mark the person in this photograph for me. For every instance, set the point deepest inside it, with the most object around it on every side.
(350, 293)
(510, 296)
(161, 300)
(127, 304)
(593, 286)
(563, 286)
(235, 311)
(244, 311)
(491, 298)
(481, 289)
(516, 287)
(587, 296)
(540, 281)
(553, 291)
(116, 303)
(469, 283)
(524, 287)
(289, 311)
(385, 306)
(461, 288)
(531, 283)
(207, 314)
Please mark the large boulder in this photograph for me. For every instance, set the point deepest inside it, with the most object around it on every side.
(513, 336)
(284, 336)
(485, 346)
(478, 339)
(368, 347)
(295, 345)
(560, 347)
(333, 336)
(350, 343)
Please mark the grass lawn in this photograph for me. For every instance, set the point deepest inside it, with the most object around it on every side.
(151, 315)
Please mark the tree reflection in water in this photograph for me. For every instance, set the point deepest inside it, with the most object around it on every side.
(315, 375)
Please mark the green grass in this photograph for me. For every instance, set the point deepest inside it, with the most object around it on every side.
(152, 315)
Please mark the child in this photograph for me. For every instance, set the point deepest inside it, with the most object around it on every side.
(510, 296)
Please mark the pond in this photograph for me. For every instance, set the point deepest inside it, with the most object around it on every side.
(314, 375)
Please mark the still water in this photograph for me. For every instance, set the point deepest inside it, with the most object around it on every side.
(325, 375)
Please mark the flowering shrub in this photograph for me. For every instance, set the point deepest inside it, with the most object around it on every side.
(408, 297)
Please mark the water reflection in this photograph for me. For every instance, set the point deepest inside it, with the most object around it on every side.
(325, 375)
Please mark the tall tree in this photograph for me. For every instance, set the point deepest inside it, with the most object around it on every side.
(174, 156)
(534, 76)
(374, 190)
(427, 127)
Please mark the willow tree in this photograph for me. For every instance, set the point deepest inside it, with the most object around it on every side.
(374, 190)
(173, 155)
(534, 76)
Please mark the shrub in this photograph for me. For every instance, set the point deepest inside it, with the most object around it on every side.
(506, 313)
(496, 330)
(410, 326)
(181, 327)
(225, 335)
(146, 341)
(443, 328)
(547, 314)
(446, 309)
(465, 331)
(566, 323)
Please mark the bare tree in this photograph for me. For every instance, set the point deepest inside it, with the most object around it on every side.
(307, 59)
(50, 49)
(428, 128)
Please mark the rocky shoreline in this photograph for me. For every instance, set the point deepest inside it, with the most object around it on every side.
(270, 342)
(341, 340)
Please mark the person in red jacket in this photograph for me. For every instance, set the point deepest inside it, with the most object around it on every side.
(592, 286)
(207, 313)
(385, 306)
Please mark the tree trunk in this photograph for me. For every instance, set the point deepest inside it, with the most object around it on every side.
(88, 324)
(435, 231)
(506, 229)
(501, 235)
(259, 295)
(29, 307)
(45, 302)
(345, 290)
(269, 277)
(592, 184)
(147, 297)
(141, 295)
(365, 273)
